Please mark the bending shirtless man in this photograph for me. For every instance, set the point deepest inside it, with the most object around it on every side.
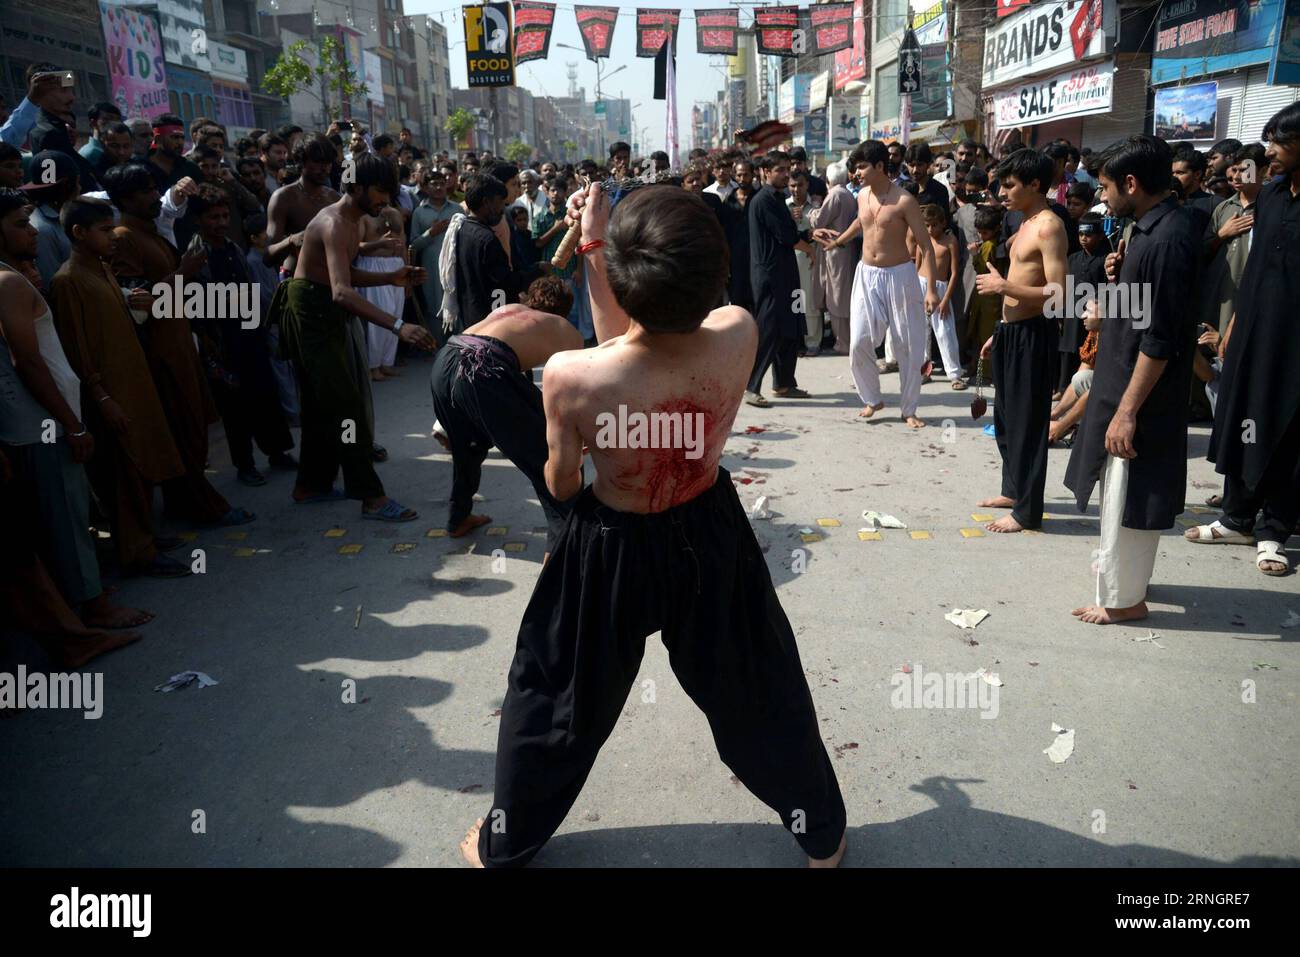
(1023, 346)
(484, 396)
(886, 288)
(659, 542)
(314, 310)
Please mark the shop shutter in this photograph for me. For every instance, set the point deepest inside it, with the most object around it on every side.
(1259, 104)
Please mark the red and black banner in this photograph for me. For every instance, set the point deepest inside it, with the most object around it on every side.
(716, 31)
(533, 23)
(596, 24)
(654, 28)
(775, 29)
(830, 27)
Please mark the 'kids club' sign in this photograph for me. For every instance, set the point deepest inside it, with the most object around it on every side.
(134, 51)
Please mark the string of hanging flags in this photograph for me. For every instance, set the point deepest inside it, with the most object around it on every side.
(782, 31)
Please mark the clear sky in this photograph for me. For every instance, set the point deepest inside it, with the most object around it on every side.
(549, 77)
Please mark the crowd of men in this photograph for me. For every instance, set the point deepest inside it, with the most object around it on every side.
(1110, 299)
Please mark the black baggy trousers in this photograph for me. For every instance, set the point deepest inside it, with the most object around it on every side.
(483, 399)
(1024, 371)
(696, 573)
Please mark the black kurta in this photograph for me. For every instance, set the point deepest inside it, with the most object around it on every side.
(773, 269)
(735, 225)
(1259, 374)
(1162, 252)
(481, 269)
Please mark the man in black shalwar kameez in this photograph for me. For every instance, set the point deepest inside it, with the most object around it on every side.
(1256, 440)
(1133, 438)
(774, 278)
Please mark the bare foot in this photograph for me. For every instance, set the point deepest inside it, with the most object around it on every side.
(870, 410)
(77, 653)
(469, 846)
(834, 859)
(377, 376)
(98, 613)
(913, 422)
(1095, 615)
(1006, 523)
(389, 372)
(468, 525)
(997, 501)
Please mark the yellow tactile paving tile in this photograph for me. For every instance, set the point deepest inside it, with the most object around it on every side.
(870, 536)
(981, 516)
(498, 531)
(436, 533)
(920, 536)
(352, 549)
(516, 546)
(972, 533)
(335, 532)
(399, 547)
(236, 536)
(828, 522)
(188, 536)
(810, 537)
(245, 552)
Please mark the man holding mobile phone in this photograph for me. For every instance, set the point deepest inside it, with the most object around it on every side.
(54, 128)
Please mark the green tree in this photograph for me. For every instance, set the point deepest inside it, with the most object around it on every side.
(518, 152)
(570, 149)
(459, 124)
(293, 73)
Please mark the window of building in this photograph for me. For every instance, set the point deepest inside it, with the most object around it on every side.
(891, 16)
(884, 92)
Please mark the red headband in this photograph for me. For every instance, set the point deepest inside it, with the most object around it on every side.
(169, 128)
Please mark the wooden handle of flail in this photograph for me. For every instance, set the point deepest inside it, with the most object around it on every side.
(567, 246)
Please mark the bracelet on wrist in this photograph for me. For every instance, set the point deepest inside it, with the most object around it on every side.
(77, 435)
(104, 398)
(585, 248)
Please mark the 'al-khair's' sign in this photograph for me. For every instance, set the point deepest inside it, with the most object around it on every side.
(1046, 36)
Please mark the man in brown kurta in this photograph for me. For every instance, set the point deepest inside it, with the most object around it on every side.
(142, 258)
(132, 456)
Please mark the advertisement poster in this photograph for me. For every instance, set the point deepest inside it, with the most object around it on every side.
(489, 54)
(1187, 112)
(134, 51)
(1198, 37)
(1080, 92)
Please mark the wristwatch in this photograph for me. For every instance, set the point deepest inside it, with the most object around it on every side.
(398, 325)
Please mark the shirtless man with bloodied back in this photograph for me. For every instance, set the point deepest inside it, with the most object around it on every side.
(659, 542)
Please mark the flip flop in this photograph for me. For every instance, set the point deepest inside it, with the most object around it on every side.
(755, 399)
(333, 495)
(791, 394)
(392, 511)
(959, 384)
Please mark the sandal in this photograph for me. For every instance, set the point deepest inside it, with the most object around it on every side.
(791, 393)
(959, 384)
(1271, 552)
(1215, 501)
(1216, 533)
(756, 399)
(391, 511)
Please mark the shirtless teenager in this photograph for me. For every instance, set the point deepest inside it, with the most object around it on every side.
(484, 396)
(1023, 346)
(886, 285)
(297, 204)
(314, 310)
(659, 542)
(947, 265)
